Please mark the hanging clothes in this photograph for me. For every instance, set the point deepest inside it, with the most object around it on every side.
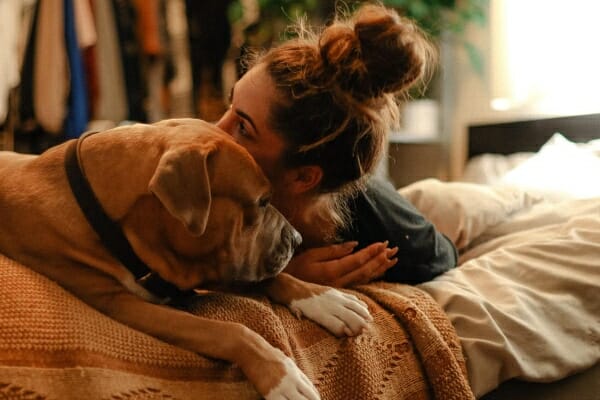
(126, 22)
(179, 102)
(153, 44)
(111, 101)
(108, 62)
(84, 23)
(87, 36)
(209, 33)
(77, 111)
(26, 113)
(14, 25)
(50, 69)
(148, 17)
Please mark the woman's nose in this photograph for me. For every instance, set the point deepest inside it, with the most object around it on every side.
(226, 122)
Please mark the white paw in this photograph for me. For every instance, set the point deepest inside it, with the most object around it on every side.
(339, 312)
(294, 385)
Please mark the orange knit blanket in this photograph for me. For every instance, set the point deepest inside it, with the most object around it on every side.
(53, 346)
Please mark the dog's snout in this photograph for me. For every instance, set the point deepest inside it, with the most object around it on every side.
(290, 240)
(296, 238)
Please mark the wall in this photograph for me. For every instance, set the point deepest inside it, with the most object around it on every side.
(565, 54)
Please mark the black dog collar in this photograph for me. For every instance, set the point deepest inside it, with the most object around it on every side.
(110, 233)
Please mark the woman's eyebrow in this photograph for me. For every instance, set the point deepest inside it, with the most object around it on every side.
(240, 112)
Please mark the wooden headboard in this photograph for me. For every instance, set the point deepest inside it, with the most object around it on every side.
(530, 135)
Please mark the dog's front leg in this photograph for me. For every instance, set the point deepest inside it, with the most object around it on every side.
(340, 313)
(274, 375)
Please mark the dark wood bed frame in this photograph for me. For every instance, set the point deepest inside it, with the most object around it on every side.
(530, 135)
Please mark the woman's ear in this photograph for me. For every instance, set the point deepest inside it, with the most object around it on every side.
(303, 179)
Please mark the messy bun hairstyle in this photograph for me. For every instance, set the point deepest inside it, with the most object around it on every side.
(338, 90)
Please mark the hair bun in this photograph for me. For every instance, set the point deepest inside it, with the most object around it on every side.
(375, 52)
(338, 43)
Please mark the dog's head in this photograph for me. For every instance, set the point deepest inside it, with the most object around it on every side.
(219, 198)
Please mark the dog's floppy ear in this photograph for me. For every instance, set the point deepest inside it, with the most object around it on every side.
(182, 185)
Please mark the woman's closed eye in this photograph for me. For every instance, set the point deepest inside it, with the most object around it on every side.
(245, 126)
(242, 130)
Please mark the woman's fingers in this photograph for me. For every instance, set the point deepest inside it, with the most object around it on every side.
(336, 265)
(363, 267)
(391, 261)
(354, 261)
(331, 252)
(317, 264)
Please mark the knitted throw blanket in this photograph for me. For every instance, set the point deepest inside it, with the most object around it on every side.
(53, 346)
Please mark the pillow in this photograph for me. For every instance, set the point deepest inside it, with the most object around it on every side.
(462, 211)
(593, 146)
(490, 168)
(560, 167)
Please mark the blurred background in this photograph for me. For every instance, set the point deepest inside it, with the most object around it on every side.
(67, 66)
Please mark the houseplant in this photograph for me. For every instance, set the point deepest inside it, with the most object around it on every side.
(443, 17)
(436, 17)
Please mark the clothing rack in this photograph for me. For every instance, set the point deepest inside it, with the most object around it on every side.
(107, 62)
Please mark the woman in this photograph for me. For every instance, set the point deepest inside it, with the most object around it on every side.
(314, 113)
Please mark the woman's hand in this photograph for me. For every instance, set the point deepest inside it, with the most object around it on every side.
(337, 266)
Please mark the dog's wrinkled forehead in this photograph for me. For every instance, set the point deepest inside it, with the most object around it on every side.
(232, 169)
(235, 167)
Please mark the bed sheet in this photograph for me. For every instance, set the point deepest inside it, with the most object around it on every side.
(525, 299)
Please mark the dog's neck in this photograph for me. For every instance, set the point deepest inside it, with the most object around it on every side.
(150, 284)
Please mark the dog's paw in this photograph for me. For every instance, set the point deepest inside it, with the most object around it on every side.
(294, 385)
(339, 312)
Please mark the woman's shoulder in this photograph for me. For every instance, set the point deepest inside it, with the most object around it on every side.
(381, 192)
(380, 204)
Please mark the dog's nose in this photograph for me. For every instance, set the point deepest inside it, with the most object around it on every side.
(291, 239)
(296, 238)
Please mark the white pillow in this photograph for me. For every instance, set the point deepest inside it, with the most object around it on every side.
(560, 167)
(490, 168)
(463, 211)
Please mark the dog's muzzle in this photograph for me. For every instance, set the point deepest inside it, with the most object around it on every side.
(290, 241)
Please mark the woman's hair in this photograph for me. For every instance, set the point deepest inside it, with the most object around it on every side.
(339, 90)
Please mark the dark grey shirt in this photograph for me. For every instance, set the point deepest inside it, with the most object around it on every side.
(380, 213)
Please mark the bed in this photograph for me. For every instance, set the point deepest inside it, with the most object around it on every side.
(523, 305)
(558, 160)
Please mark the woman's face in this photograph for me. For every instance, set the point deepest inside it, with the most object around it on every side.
(247, 121)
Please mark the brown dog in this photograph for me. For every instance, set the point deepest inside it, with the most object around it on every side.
(193, 206)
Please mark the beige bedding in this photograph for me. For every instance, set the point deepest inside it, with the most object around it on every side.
(53, 346)
(525, 300)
